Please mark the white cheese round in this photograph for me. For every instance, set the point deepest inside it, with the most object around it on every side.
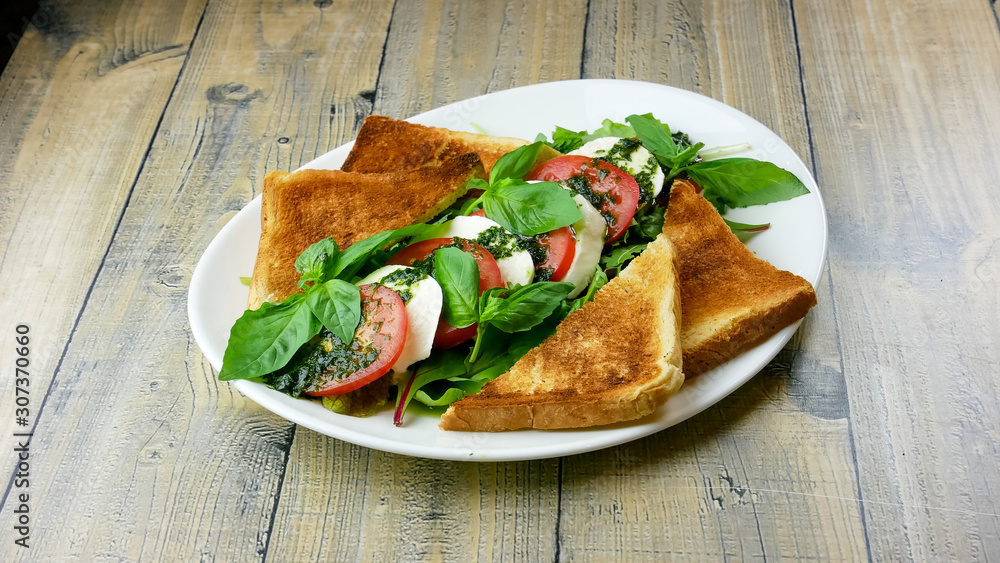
(638, 161)
(423, 310)
(515, 269)
(590, 233)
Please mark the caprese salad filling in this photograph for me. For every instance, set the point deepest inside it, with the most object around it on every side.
(434, 311)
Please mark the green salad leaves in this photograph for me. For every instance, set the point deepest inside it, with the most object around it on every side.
(725, 182)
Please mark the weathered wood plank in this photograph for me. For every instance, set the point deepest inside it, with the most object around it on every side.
(443, 51)
(767, 472)
(81, 101)
(396, 507)
(404, 508)
(906, 128)
(174, 465)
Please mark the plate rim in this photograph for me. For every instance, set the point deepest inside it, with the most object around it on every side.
(603, 436)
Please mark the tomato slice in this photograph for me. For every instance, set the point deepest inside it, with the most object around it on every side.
(559, 247)
(378, 343)
(607, 187)
(448, 336)
(489, 272)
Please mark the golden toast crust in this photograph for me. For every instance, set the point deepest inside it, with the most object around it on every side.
(731, 300)
(385, 144)
(301, 208)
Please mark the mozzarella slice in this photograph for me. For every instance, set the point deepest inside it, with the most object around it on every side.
(423, 310)
(637, 162)
(516, 268)
(590, 233)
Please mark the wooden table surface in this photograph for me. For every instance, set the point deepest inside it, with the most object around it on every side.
(131, 132)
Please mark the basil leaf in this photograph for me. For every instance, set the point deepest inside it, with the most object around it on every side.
(530, 209)
(525, 306)
(263, 340)
(352, 259)
(516, 163)
(457, 273)
(315, 261)
(742, 182)
(338, 305)
(478, 184)
(655, 138)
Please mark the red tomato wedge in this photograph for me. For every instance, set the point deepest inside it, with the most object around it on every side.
(615, 193)
(489, 272)
(559, 247)
(448, 336)
(378, 343)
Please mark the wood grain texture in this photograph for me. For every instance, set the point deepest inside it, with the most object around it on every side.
(414, 509)
(131, 132)
(443, 51)
(82, 97)
(729, 482)
(905, 121)
(175, 465)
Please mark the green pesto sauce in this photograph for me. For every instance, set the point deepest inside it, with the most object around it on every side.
(581, 185)
(402, 280)
(323, 359)
(500, 242)
(543, 274)
(620, 155)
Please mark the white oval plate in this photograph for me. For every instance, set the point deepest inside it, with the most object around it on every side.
(796, 242)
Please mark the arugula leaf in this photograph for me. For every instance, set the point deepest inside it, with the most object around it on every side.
(600, 278)
(337, 304)
(264, 339)
(564, 140)
(516, 163)
(449, 364)
(457, 273)
(530, 209)
(620, 256)
(315, 261)
(609, 128)
(742, 182)
(524, 307)
(744, 231)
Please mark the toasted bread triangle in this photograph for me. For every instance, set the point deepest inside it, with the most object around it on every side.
(386, 144)
(303, 207)
(731, 300)
(615, 359)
